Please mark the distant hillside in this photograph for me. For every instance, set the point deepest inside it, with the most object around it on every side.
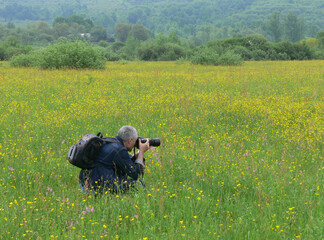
(184, 16)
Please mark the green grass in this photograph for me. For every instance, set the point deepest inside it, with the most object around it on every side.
(241, 154)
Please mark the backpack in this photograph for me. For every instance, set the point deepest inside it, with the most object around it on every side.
(84, 152)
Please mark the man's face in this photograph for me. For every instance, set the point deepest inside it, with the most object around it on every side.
(129, 144)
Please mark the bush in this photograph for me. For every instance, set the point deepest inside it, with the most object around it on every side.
(215, 56)
(103, 43)
(14, 51)
(153, 51)
(303, 51)
(259, 55)
(294, 51)
(110, 55)
(230, 58)
(117, 47)
(318, 54)
(8, 49)
(2, 53)
(148, 51)
(257, 42)
(170, 52)
(243, 52)
(71, 55)
(205, 56)
(24, 60)
(273, 55)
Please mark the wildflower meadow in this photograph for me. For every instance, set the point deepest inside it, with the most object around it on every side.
(241, 153)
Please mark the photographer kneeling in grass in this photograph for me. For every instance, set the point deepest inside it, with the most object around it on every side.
(114, 164)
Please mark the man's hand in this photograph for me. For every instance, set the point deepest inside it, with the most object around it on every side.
(143, 147)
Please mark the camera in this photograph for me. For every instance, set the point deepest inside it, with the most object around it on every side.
(155, 142)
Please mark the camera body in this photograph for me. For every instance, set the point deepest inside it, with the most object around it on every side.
(155, 142)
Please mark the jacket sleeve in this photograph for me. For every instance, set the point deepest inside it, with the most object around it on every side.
(126, 165)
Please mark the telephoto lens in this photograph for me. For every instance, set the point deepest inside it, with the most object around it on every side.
(155, 142)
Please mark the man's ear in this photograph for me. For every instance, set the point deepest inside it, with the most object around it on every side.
(129, 141)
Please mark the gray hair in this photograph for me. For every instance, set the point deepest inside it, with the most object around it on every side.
(127, 132)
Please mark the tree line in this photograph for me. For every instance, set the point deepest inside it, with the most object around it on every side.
(202, 21)
(233, 51)
(135, 42)
(275, 28)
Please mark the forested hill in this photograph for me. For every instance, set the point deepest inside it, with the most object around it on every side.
(162, 16)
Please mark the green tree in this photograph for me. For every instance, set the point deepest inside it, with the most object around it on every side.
(43, 27)
(106, 21)
(76, 28)
(75, 19)
(61, 29)
(174, 38)
(148, 51)
(134, 16)
(293, 51)
(131, 47)
(294, 27)
(274, 26)
(88, 24)
(74, 55)
(122, 31)
(11, 25)
(12, 41)
(2, 52)
(312, 30)
(205, 34)
(12, 47)
(98, 33)
(59, 20)
(139, 32)
(320, 39)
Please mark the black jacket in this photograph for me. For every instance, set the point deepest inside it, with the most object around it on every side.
(115, 169)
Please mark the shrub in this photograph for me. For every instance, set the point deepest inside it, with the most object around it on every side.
(110, 55)
(320, 39)
(117, 46)
(257, 42)
(230, 58)
(12, 47)
(25, 60)
(71, 55)
(243, 52)
(103, 43)
(259, 55)
(7, 52)
(148, 51)
(205, 56)
(303, 51)
(2, 53)
(273, 55)
(170, 52)
(215, 56)
(294, 51)
(318, 54)
(160, 50)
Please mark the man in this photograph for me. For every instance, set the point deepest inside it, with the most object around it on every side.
(115, 170)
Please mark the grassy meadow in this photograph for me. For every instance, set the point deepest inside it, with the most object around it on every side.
(241, 154)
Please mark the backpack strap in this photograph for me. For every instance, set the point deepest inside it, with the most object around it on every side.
(107, 140)
(111, 140)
